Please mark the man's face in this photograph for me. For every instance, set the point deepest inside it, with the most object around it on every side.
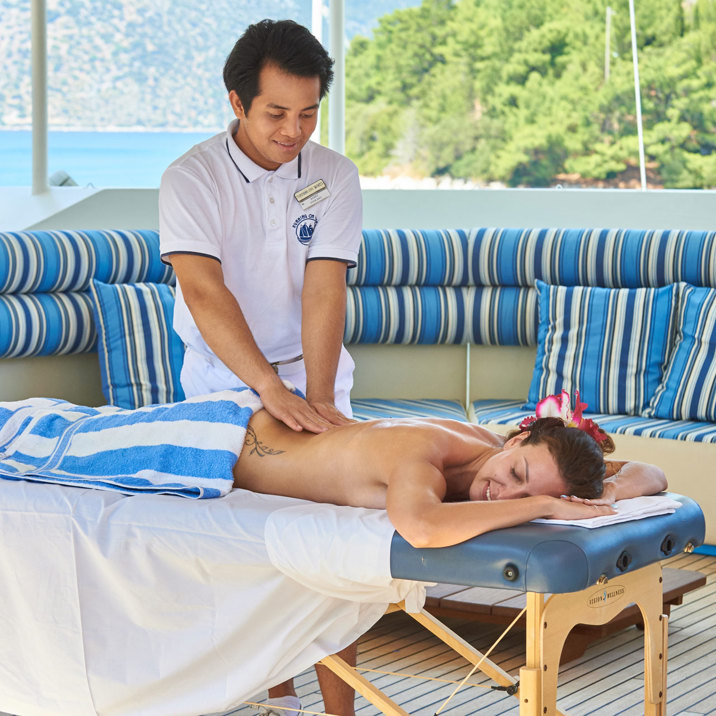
(518, 471)
(281, 119)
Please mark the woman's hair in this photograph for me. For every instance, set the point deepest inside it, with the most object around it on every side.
(286, 44)
(579, 457)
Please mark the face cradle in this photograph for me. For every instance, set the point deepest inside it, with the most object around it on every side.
(281, 118)
(517, 471)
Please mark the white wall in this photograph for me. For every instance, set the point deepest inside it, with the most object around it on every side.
(399, 208)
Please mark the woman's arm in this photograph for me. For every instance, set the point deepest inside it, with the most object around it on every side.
(415, 507)
(629, 479)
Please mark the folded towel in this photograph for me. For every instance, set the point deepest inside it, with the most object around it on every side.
(186, 448)
(634, 508)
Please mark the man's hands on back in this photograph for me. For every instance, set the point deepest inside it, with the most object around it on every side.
(223, 326)
(328, 411)
(297, 413)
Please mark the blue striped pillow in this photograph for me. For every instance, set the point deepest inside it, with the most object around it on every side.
(688, 390)
(611, 344)
(140, 355)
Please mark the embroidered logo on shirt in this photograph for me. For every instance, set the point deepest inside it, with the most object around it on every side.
(304, 226)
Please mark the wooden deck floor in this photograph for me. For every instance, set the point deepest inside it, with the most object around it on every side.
(607, 680)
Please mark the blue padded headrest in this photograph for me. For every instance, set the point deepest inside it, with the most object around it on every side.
(537, 557)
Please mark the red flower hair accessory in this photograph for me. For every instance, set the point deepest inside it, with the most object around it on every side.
(559, 406)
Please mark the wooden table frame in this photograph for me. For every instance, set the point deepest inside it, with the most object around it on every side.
(549, 621)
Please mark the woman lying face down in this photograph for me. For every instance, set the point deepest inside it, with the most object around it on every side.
(443, 481)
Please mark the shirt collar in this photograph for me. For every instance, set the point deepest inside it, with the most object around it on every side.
(248, 169)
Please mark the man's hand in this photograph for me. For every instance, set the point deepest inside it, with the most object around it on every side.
(328, 411)
(291, 409)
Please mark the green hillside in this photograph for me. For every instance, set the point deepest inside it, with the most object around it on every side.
(514, 91)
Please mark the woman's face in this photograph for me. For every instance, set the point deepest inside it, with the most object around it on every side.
(518, 471)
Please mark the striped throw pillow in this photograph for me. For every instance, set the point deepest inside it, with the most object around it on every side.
(688, 390)
(140, 355)
(611, 344)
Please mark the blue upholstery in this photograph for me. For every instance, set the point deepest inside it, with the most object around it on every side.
(618, 258)
(447, 262)
(402, 257)
(610, 344)
(53, 261)
(688, 389)
(45, 324)
(511, 412)
(377, 409)
(552, 558)
(140, 355)
(436, 287)
(44, 278)
(441, 314)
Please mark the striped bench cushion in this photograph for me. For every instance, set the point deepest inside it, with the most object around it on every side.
(46, 324)
(441, 315)
(44, 278)
(377, 409)
(54, 261)
(617, 258)
(510, 412)
(411, 258)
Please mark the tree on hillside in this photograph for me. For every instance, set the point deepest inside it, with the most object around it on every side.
(514, 91)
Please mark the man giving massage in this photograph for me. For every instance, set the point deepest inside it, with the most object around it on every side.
(444, 481)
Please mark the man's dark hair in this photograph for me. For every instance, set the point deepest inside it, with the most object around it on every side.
(284, 43)
(579, 457)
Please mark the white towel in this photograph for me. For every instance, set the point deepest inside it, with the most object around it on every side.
(187, 448)
(634, 508)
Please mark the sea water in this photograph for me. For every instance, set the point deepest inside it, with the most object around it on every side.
(100, 159)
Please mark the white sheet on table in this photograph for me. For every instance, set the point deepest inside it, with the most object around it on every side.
(634, 508)
(338, 550)
(154, 605)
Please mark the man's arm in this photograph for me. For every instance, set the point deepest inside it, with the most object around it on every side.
(222, 324)
(323, 315)
(415, 507)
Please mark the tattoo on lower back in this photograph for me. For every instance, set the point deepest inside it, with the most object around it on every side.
(256, 446)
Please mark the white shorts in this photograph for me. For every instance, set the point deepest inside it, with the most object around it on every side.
(200, 376)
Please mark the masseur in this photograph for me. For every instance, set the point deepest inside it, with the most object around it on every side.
(444, 481)
(260, 225)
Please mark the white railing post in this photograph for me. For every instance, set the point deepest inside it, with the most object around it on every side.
(39, 96)
(608, 42)
(637, 94)
(337, 105)
(317, 31)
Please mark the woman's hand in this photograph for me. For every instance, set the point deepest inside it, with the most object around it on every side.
(575, 508)
(608, 496)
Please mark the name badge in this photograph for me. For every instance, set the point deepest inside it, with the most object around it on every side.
(312, 194)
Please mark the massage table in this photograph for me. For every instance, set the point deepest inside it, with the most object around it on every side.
(155, 605)
(570, 575)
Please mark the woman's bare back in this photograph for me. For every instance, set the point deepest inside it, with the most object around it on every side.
(351, 464)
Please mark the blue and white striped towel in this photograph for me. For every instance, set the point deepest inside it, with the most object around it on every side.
(186, 448)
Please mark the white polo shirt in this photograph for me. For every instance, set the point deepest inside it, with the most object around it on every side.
(216, 202)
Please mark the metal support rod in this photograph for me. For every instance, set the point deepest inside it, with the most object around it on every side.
(637, 94)
(337, 105)
(39, 96)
